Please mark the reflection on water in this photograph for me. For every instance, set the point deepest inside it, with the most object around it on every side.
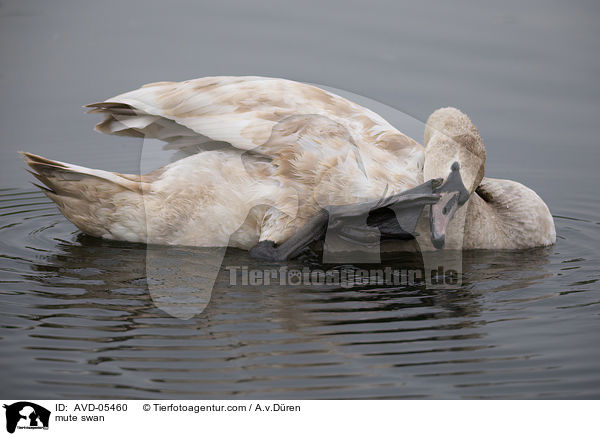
(80, 317)
(85, 318)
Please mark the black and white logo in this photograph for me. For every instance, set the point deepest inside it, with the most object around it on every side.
(26, 415)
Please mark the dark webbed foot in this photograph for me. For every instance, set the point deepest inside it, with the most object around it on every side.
(265, 250)
(395, 216)
(313, 230)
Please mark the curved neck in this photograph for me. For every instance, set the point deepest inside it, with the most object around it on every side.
(504, 214)
(483, 229)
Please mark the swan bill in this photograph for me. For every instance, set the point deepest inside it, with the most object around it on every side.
(453, 195)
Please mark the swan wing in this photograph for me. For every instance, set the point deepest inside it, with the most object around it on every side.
(239, 111)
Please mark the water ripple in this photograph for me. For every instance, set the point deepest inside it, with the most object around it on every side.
(78, 318)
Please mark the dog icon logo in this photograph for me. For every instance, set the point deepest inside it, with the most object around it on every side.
(26, 415)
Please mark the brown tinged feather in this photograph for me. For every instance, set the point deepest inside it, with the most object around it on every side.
(45, 170)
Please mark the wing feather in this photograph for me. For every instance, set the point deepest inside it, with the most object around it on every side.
(246, 111)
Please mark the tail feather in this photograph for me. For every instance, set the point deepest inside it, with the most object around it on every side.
(93, 200)
(57, 175)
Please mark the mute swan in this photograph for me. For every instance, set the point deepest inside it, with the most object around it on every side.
(271, 156)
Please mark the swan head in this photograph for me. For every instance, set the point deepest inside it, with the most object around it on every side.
(454, 152)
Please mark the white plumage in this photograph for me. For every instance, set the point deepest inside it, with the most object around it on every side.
(270, 154)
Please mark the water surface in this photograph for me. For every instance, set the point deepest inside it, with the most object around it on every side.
(77, 318)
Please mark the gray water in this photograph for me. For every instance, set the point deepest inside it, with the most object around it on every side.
(77, 318)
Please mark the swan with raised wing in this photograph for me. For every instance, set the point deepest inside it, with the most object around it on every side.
(270, 155)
